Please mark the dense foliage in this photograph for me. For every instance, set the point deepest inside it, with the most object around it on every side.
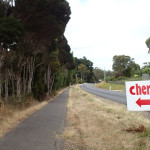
(100, 74)
(35, 57)
(125, 66)
(84, 69)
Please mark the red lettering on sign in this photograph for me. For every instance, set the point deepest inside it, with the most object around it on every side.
(143, 90)
(139, 90)
(131, 88)
(148, 87)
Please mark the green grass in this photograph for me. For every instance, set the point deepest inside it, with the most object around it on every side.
(146, 133)
(113, 86)
(134, 79)
(118, 84)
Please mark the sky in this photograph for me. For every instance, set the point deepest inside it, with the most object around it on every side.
(100, 29)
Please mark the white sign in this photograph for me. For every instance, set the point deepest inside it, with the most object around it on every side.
(138, 95)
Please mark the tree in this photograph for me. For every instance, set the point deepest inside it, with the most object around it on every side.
(98, 74)
(11, 33)
(65, 52)
(146, 70)
(43, 35)
(147, 42)
(83, 70)
(89, 65)
(132, 69)
(146, 64)
(123, 65)
(6, 7)
(146, 67)
(53, 16)
(34, 54)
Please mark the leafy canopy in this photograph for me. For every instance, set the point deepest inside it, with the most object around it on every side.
(11, 31)
(123, 65)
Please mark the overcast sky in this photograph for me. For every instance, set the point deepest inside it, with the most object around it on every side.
(100, 29)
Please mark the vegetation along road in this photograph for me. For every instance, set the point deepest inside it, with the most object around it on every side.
(40, 131)
(95, 123)
(108, 94)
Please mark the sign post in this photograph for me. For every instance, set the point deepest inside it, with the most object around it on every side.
(138, 95)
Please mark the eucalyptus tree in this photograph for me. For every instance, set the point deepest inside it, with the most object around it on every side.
(53, 16)
(88, 64)
(11, 32)
(123, 65)
(83, 70)
(98, 74)
(31, 34)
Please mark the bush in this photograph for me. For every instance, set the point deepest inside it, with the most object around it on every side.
(121, 78)
(146, 70)
(108, 78)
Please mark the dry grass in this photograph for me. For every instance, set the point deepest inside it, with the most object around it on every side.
(100, 124)
(11, 116)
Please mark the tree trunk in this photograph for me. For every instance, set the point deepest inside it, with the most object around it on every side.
(31, 69)
(6, 85)
(24, 80)
(48, 81)
(52, 85)
(13, 85)
(18, 78)
(45, 79)
(31, 72)
(30, 83)
(1, 64)
(0, 86)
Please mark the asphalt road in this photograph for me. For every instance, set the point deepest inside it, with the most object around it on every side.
(111, 95)
(39, 131)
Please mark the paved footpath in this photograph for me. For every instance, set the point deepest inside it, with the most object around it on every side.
(40, 131)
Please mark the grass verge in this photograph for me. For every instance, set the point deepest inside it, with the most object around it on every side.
(11, 116)
(105, 85)
(97, 124)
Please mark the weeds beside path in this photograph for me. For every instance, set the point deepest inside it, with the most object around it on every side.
(96, 124)
(11, 116)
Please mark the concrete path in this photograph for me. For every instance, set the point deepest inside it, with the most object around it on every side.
(41, 130)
